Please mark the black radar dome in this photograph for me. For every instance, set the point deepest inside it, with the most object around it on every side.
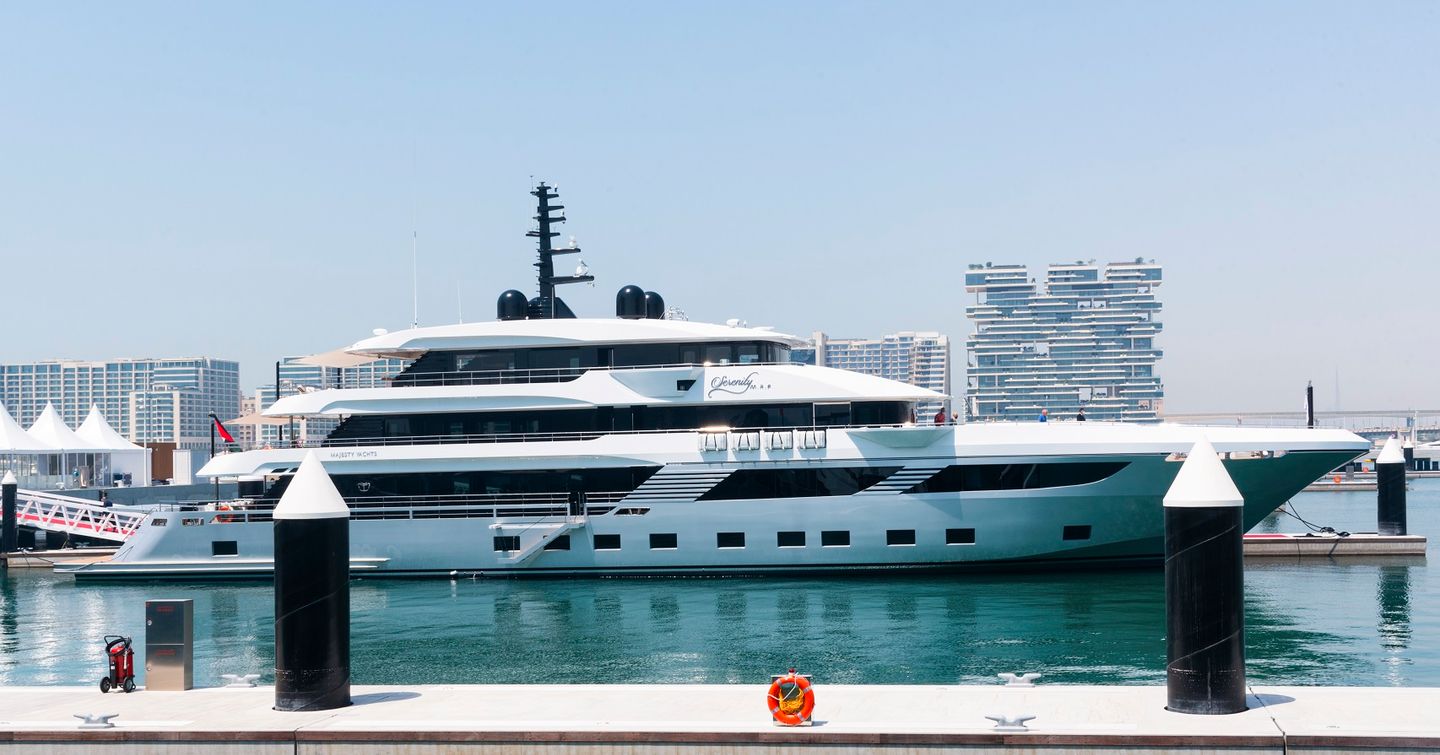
(511, 305)
(654, 306)
(630, 303)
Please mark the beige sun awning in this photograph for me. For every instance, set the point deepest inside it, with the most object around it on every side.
(336, 358)
(256, 419)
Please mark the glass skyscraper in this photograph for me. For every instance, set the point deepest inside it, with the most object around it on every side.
(146, 400)
(1084, 337)
(919, 358)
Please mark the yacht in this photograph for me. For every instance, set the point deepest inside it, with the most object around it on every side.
(542, 443)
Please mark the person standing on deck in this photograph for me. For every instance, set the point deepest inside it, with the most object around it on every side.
(1044, 415)
(1080, 415)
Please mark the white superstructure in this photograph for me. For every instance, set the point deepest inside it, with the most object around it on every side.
(544, 444)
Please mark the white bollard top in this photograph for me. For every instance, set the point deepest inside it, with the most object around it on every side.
(311, 494)
(1203, 482)
(9, 479)
(1391, 453)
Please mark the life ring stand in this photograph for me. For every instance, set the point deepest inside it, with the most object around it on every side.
(792, 699)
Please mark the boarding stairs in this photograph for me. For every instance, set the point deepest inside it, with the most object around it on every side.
(76, 516)
(532, 537)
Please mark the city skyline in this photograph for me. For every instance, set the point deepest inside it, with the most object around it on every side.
(248, 183)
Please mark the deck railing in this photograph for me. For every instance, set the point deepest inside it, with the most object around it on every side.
(576, 435)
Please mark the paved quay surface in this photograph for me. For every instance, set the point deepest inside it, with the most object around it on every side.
(719, 718)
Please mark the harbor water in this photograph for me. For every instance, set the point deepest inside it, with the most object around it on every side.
(1366, 622)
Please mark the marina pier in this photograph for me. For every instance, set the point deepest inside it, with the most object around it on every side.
(721, 718)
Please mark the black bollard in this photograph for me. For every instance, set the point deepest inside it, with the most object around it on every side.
(1390, 482)
(9, 528)
(312, 593)
(1204, 588)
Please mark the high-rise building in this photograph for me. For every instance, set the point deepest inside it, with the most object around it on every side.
(146, 400)
(1084, 337)
(919, 358)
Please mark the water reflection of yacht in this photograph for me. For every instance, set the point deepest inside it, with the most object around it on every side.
(543, 443)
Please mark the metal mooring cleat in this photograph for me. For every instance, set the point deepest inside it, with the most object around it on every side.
(240, 680)
(1019, 680)
(1011, 721)
(96, 720)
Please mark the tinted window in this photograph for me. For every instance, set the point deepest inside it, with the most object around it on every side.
(663, 540)
(790, 539)
(961, 536)
(899, 537)
(1077, 532)
(224, 548)
(560, 543)
(607, 542)
(835, 537)
(718, 353)
(730, 540)
(507, 542)
(796, 483)
(963, 477)
(832, 414)
(491, 482)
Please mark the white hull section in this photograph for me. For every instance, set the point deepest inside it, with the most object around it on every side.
(1114, 520)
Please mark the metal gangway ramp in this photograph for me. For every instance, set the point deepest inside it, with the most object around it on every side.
(75, 516)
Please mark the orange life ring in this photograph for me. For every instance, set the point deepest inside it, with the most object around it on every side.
(792, 699)
(223, 518)
(1336, 478)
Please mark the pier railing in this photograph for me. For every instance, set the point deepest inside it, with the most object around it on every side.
(75, 516)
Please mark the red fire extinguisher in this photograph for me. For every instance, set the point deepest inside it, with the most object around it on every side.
(122, 664)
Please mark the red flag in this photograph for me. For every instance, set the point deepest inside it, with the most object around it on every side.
(223, 432)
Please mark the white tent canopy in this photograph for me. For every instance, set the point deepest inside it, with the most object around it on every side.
(126, 458)
(100, 434)
(49, 428)
(14, 438)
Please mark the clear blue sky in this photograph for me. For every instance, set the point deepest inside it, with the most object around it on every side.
(241, 180)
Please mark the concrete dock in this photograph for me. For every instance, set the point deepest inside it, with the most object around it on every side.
(48, 559)
(1332, 545)
(667, 718)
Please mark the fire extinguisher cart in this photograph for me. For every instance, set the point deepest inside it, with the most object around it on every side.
(121, 657)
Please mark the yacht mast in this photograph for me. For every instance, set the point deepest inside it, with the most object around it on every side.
(547, 305)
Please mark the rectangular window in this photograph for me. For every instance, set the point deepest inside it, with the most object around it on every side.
(607, 542)
(899, 537)
(790, 539)
(224, 548)
(663, 541)
(730, 540)
(961, 536)
(560, 543)
(834, 538)
(507, 543)
(159, 522)
(1077, 532)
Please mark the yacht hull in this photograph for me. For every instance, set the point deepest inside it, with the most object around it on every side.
(1117, 521)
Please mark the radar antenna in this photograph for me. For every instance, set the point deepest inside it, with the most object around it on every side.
(547, 305)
